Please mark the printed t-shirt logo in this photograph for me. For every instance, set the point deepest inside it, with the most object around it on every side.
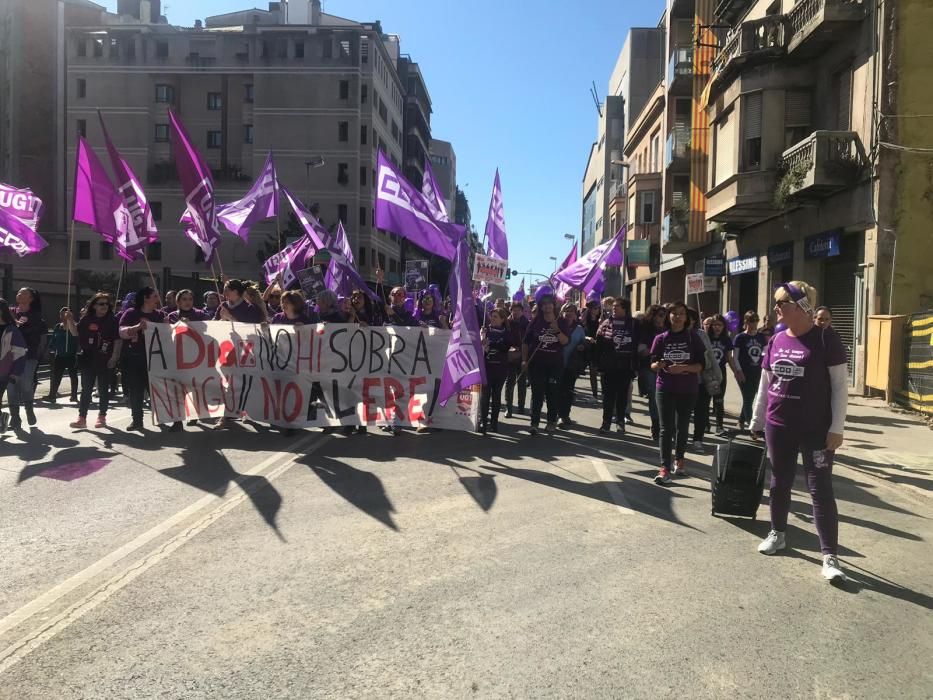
(785, 370)
(754, 353)
(546, 338)
(718, 354)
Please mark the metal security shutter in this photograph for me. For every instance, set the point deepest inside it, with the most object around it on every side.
(752, 126)
(797, 108)
(838, 294)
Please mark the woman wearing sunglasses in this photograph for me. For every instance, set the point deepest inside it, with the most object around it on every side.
(99, 344)
(801, 407)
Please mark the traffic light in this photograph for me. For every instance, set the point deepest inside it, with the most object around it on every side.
(508, 273)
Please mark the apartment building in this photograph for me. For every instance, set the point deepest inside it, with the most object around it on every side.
(444, 164)
(244, 84)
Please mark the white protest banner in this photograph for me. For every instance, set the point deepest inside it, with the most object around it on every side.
(488, 269)
(696, 283)
(303, 376)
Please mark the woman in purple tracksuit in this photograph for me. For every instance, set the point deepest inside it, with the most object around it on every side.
(801, 406)
(497, 339)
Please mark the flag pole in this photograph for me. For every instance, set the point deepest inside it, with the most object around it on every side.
(120, 281)
(214, 273)
(71, 257)
(151, 276)
(220, 265)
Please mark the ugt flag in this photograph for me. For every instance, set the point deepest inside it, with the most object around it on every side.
(261, 202)
(143, 230)
(197, 182)
(497, 246)
(21, 203)
(342, 276)
(402, 209)
(432, 193)
(464, 365)
(16, 235)
(587, 273)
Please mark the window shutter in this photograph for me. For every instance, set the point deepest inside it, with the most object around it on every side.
(752, 115)
(844, 108)
(797, 108)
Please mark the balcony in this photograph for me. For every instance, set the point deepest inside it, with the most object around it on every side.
(675, 232)
(730, 11)
(816, 23)
(823, 163)
(677, 150)
(750, 42)
(743, 199)
(680, 71)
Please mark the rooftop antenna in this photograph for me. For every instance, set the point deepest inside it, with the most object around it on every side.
(595, 95)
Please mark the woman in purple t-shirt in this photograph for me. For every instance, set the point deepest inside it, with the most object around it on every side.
(135, 367)
(99, 346)
(678, 356)
(801, 406)
(543, 359)
(497, 339)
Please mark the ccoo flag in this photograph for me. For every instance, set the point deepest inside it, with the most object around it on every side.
(197, 182)
(143, 230)
(497, 245)
(463, 366)
(261, 202)
(402, 209)
(432, 193)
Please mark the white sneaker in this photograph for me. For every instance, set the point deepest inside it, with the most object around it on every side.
(698, 447)
(831, 570)
(774, 542)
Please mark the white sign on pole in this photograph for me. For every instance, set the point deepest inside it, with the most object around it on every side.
(696, 283)
(490, 270)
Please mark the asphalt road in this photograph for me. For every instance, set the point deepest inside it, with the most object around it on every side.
(243, 564)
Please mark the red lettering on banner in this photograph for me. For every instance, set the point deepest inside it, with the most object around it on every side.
(212, 406)
(393, 392)
(162, 399)
(271, 400)
(182, 332)
(227, 356)
(309, 358)
(247, 356)
(293, 390)
(415, 406)
(370, 383)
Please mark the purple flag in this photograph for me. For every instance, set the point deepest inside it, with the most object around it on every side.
(98, 204)
(261, 202)
(16, 235)
(342, 276)
(22, 204)
(432, 193)
(143, 230)
(313, 228)
(497, 245)
(289, 262)
(464, 364)
(562, 289)
(519, 296)
(402, 209)
(197, 182)
(587, 272)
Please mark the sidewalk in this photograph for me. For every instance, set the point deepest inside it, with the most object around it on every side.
(880, 442)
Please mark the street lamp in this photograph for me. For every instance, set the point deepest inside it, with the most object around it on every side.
(569, 236)
(555, 262)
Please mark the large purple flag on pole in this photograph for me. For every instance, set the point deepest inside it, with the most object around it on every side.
(96, 201)
(464, 365)
(313, 228)
(21, 203)
(497, 244)
(143, 230)
(587, 273)
(289, 262)
(432, 193)
(562, 289)
(197, 182)
(16, 235)
(261, 202)
(402, 209)
(342, 276)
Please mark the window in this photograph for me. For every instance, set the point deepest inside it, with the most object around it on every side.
(842, 84)
(656, 152)
(342, 212)
(646, 208)
(161, 49)
(214, 139)
(156, 209)
(98, 45)
(247, 133)
(599, 183)
(724, 149)
(344, 89)
(364, 50)
(363, 135)
(161, 133)
(299, 49)
(343, 131)
(363, 176)
(362, 257)
(82, 127)
(106, 251)
(395, 131)
(82, 47)
(364, 93)
(797, 116)
(383, 112)
(130, 49)
(214, 101)
(393, 265)
(264, 50)
(82, 88)
(155, 251)
(248, 88)
(165, 93)
(328, 50)
(362, 216)
(751, 131)
(343, 173)
(84, 250)
(382, 261)
(372, 256)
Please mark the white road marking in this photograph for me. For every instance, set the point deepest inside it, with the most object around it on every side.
(235, 494)
(613, 487)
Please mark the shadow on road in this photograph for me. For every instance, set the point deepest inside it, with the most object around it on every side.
(360, 488)
(68, 464)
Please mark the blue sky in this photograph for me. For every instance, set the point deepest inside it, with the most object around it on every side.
(510, 89)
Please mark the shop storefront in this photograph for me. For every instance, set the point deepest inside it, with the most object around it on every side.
(743, 283)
